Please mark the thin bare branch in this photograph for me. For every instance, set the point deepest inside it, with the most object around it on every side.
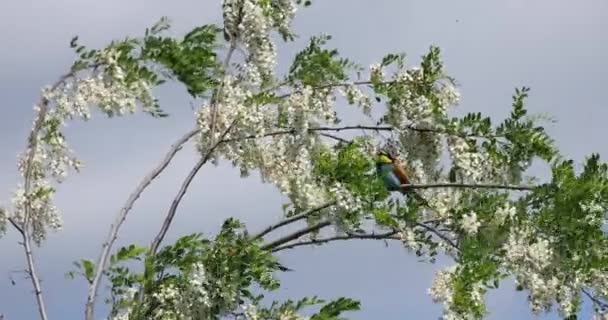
(293, 219)
(182, 191)
(296, 235)
(334, 137)
(218, 92)
(357, 127)
(368, 236)
(15, 224)
(468, 185)
(439, 234)
(603, 305)
(120, 218)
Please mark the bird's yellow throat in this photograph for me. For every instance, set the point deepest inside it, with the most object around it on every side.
(384, 159)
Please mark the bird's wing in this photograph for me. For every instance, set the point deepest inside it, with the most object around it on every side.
(401, 173)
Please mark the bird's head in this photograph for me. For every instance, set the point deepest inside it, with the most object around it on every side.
(383, 158)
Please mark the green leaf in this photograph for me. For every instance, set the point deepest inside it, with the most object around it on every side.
(89, 269)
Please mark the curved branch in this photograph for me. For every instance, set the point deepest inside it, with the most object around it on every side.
(296, 235)
(595, 300)
(367, 236)
(182, 191)
(439, 234)
(467, 185)
(102, 261)
(293, 219)
(23, 228)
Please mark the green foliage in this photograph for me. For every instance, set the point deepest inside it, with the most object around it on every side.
(513, 144)
(571, 209)
(349, 165)
(85, 268)
(424, 82)
(192, 60)
(232, 261)
(330, 311)
(316, 66)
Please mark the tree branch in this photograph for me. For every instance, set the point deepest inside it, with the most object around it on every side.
(296, 235)
(218, 92)
(367, 236)
(293, 219)
(467, 185)
(331, 136)
(439, 234)
(122, 215)
(603, 305)
(23, 228)
(182, 191)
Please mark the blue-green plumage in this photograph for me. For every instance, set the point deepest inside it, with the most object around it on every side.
(394, 177)
(390, 179)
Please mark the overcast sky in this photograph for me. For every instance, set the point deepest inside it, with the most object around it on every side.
(557, 48)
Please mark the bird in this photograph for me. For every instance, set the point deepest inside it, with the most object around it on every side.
(394, 175)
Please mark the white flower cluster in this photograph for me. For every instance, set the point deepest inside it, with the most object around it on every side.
(355, 95)
(284, 158)
(345, 199)
(409, 239)
(595, 211)
(448, 95)
(252, 22)
(189, 302)
(42, 212)
(529, 258)
(442, 291)
(473, 165)
(470, 224)
(443, 201)
(504, 213)
(52, 157)
(251, 312)
(410, 110)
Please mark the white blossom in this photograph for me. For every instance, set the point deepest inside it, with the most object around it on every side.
(52, 158)
(470, 224)
(529, 257)
(355, 96)
(408, 238)
(507, 211)
(253, 28)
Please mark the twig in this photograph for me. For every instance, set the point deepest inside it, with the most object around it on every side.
(218, 92)
(296, 235)
(331, 136)
(293, 219)
(122, 215)
(357, 127)
(368, 236)
(595, 300)
(439, 234)
(182, 191)
(467, 185)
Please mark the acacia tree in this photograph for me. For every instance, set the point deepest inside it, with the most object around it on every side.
(482, 209)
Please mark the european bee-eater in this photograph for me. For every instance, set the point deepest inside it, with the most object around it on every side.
(394, 175)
